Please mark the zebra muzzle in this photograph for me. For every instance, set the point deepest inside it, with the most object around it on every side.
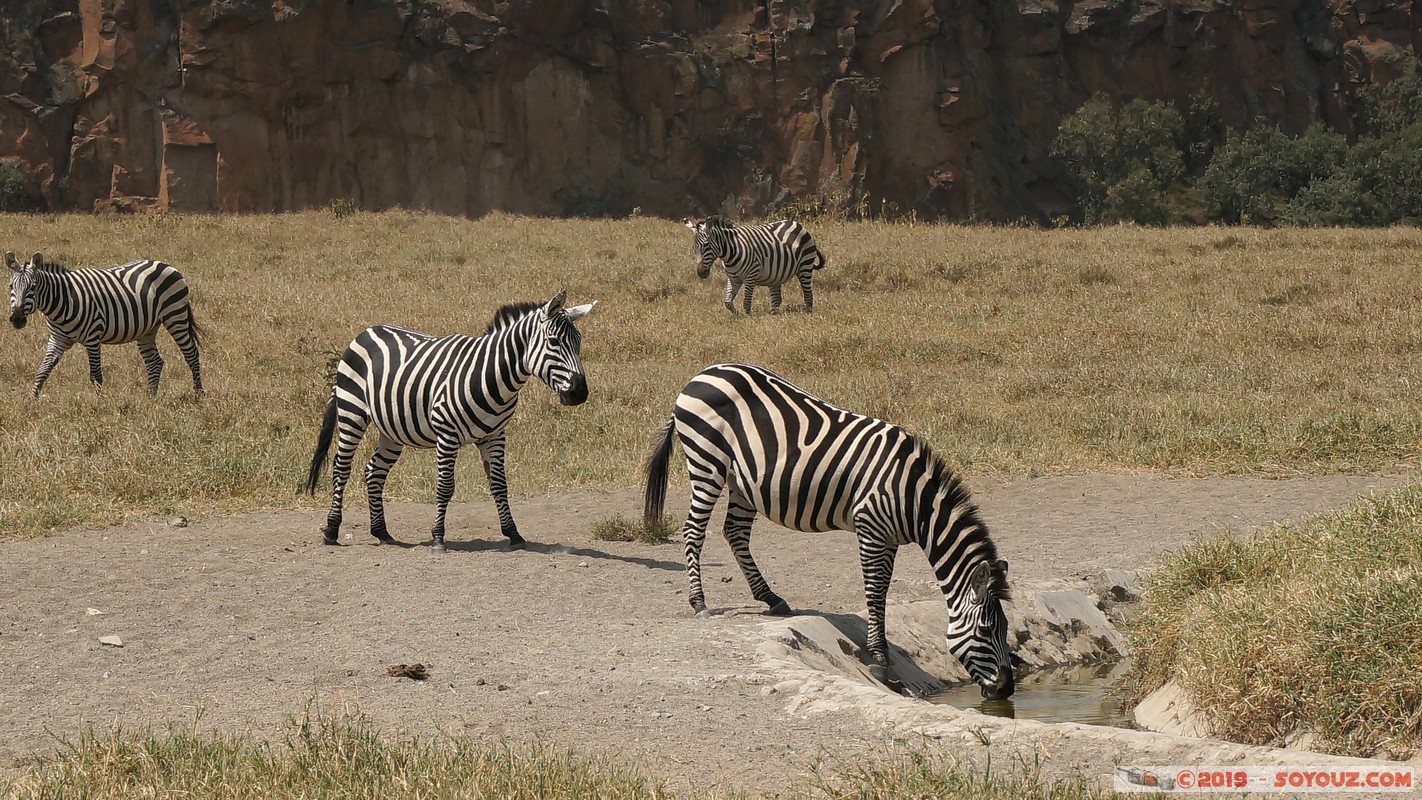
(19, 320)
(576, 393)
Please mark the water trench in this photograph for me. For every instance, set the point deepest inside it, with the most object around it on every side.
(1074, 693)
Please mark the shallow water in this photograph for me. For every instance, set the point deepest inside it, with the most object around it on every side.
(1066, 694)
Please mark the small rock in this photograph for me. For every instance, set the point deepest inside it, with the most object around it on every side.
(93, 612)
(726, 579)
(111, 641)
(503, 687)
(417, 672)
(479, 681)
(582, 563)
(543, 693)
(178, 522)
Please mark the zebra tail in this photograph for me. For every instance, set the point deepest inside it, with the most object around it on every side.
(657, 462)
(200, 333)
(820, 260)
(323, 444)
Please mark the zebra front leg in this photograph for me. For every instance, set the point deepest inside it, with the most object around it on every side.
(96, 365)
(774, 299)
(387, 452)
(446, 452)
(348, 439)
(876, 560)
(52, 352)
(733, 287)
(805, 278)
(740, 515)
(750, 292)
(152, 362)
(704, 494)
(492, 454)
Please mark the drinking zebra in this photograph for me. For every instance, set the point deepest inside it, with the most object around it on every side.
(444, 392)
(95, 307)
(756, 255)
(810, 466)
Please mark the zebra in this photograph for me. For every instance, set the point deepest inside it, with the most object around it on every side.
(93, 307)
(810, 466)
(756, 255)
(443, 393)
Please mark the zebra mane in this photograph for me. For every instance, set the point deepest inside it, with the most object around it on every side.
(958, 496)
(509, 313)
(718, 222)
(53, 267)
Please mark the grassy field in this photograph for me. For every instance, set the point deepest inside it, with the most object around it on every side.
(1314, 628)
(342, 758)
(1014, 351)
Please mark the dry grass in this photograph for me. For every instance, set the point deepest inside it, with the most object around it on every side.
(619, 528)
(1312, 629)
(342, 758)
(1012, 350)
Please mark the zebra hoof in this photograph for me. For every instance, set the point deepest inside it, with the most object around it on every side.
(779, 609)
(880, 673)
(437, 549)
(334, 541)
(518, 544)
(383, 536)
(703, 614)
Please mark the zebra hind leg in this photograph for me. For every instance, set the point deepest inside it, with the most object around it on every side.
(446, 452)
(774, 299)
(740, 515)
(806, 276)
(376, 471)
(348, 439)
(152, 362)
(705, 491)
(185, 334)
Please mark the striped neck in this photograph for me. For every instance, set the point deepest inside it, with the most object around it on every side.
(955, 539)
(512, 341)
(51, 291)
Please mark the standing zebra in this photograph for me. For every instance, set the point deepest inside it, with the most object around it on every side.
(95, 307)
(810, 466)
(756, 255)
(444, 392)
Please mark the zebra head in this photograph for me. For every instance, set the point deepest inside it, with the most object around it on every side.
(22, 294)
(977, 629)
(707, 242)
(555, 352)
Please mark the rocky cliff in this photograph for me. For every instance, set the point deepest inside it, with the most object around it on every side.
(560, 106)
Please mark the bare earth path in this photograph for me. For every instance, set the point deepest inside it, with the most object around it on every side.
(576, 641)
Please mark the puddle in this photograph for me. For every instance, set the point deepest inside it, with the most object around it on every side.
(1080, 693)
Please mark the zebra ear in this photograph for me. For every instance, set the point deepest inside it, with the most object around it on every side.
(37, 260)
(552, 306)
(690, 223)
(12, 262)
(576, 313)
(979, 580)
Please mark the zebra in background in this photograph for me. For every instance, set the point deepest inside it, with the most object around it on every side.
(94, 307)
(444, 392)
(756, 255)
(810, 466)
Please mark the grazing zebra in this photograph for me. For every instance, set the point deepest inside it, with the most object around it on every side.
(810, 466)
(444, 392)
(95, 307)
(756, 255)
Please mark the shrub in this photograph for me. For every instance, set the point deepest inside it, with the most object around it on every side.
(621, 529)
(13, 196)
(1258, 172)
(1124, 160)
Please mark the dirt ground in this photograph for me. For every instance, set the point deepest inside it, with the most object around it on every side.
(243, 620)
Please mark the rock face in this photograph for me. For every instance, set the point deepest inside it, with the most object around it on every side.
(560, 106)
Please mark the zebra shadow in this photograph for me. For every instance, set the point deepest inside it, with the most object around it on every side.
(486, 545)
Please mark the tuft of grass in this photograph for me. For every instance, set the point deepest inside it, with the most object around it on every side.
(619, 528)
(341, 757)
(323, 756)
(922, 774)
(1012, 350)
(1302, 629)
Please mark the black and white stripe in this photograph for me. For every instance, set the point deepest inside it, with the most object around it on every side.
(94, 307)
(810, 466)
(756, 255)
(443, 393)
